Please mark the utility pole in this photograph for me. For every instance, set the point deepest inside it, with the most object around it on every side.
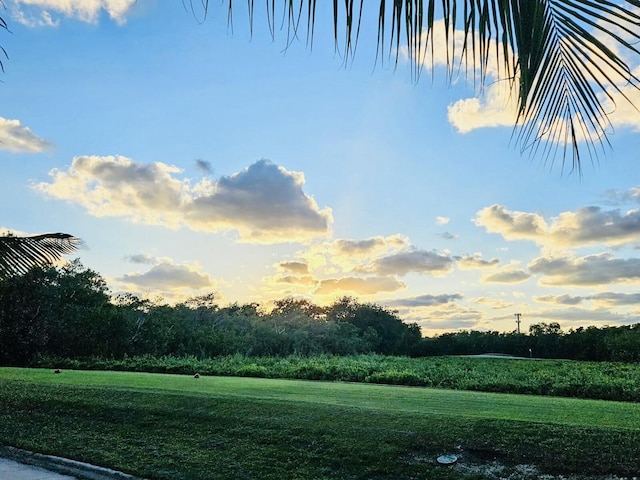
(518, 315)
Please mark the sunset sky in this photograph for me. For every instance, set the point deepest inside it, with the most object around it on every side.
(191, 158)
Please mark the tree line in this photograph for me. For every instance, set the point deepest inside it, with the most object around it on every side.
(68, 312)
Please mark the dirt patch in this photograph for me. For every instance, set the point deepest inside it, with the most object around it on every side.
(495, 470)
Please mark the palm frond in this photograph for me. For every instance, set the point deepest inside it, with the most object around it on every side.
(555, 53)
(19, 254)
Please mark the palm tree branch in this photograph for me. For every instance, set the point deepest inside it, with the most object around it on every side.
(19, 254)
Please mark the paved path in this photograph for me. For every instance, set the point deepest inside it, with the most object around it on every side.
(17, 464)
(10, 470)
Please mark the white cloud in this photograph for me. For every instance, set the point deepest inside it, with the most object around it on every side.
(40, 12)
(17, 138)
(512, 225)
(442, 220)
(497, 107)
(264, 203)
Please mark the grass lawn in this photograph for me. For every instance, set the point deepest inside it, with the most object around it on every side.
(178, 427)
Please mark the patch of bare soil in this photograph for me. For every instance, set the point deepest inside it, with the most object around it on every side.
(495, 470)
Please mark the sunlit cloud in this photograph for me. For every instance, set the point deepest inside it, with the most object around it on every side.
(573, 316)
(264, 203)
(512, 225)
(16, 138)
(493, 303)
(598, 269)
(508, 274)
(497, 107)
(346, 255)
(448, 317)
(370, 247)
(295, 267)
(611, 299)
(41, 12)
(468, 262)
(560, 299)
(586, 226)
(172, 281)
(358, 285)
(442, 220)
(299, 280)
(413, 261)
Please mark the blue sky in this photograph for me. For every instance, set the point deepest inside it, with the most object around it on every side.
(192, 159)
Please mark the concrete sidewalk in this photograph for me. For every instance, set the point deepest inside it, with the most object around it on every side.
(12, 470)
(17, 464)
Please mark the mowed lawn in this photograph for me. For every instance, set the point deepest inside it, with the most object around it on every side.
(178, 427)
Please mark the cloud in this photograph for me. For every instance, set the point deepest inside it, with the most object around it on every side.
(449, 317)
(584, 317)
(425, 300)
(346, 255)
(448, 236)
(204, 166)
(494, 304)
(39, 12)
(601, 300)
(442, 220)
(590, 270)
(370, 246)
(299, 280)
(359, 286)
(560, 299)
(512, 225)
(507, 275)
(16, 138)
(622, 113)
(141, 258)
(586, 226)
(169, 277)
(295, 267)
(495, 108)
(414, 261)
(610, 299)
(264, 203)
(468, 262)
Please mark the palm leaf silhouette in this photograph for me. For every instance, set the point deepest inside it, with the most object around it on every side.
(19, 254)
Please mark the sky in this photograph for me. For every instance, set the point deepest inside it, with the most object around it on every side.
(194, 157)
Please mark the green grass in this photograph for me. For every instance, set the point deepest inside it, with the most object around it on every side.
(178, 427)
(605, 381)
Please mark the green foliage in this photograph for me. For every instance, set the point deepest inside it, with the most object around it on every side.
(68, 312)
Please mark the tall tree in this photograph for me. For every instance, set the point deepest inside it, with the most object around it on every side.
(564, 59)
